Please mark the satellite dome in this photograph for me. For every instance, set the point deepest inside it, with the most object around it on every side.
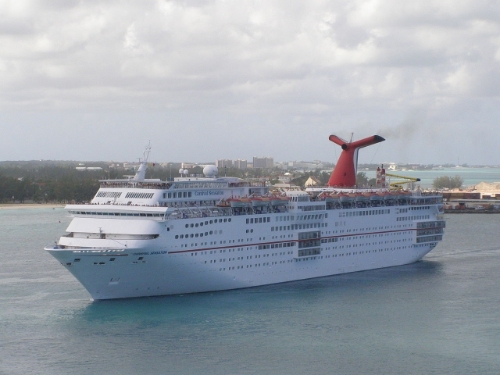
(210, 171)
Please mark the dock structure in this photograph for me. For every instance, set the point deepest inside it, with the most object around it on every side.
(481, 198)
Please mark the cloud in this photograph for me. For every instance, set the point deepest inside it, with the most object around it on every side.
(289, 65)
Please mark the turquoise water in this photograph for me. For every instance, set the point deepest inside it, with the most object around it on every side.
(470, 176)
(440, 315)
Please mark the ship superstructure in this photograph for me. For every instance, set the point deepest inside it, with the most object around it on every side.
(141, 237)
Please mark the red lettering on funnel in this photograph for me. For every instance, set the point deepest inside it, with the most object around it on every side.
(344, 174)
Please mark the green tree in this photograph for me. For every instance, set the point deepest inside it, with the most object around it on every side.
(447, 182)
(363, 181)
(323, 177)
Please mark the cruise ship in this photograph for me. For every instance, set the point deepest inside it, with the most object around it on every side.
(141, 237)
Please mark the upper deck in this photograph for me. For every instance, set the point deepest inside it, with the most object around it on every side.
(184, 207)
(184, 191)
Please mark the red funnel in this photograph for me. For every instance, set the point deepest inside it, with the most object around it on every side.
(344, 174)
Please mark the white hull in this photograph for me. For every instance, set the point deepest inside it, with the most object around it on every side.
(232, 259)
(177, 276)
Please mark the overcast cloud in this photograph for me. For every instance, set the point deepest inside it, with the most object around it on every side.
(213, 79)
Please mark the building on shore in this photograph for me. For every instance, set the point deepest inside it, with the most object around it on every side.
(312, 181)
(264, 162)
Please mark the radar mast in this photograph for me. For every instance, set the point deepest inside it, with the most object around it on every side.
(141, 172)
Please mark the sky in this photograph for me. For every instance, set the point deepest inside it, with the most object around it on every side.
(217, 79)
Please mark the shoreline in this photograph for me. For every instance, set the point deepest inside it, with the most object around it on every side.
(8, 206)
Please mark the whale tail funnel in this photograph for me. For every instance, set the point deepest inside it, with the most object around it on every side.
(344, 174)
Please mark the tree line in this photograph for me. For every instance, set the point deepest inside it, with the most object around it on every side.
(49, 184)
(63, 183)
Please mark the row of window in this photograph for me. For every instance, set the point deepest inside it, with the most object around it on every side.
(308, 252)
(109, 194)
(182, 204)
(254, 265)
(411, 218)
(207, 222)
(326, 240)
(429, 239)
(312, 208)
(257, 220)
(282, 218)
(200, 185)
(302, 236)
(305, 254)
(425, 232)
(277, 245)
(384, 211)
(432, 224)
(178, 194)
(281, 228)
(309, 226)
(141, 214)
(309, 235)
(300, 198)
(309, 243)
(139, 195)
(310, 217)
(313, 235)
(193, 235)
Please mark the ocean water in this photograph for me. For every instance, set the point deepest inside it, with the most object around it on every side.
(437, 316)
(470, 176)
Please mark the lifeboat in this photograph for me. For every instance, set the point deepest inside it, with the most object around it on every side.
(239, 202)
(360, 197)
(259, 201)
(223, 203)
(346, 198)
(332, 198)
(387, 196)
(279, 201)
